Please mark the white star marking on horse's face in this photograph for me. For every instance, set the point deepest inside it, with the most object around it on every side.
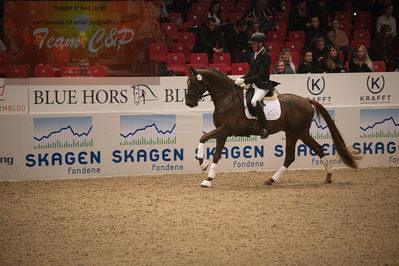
(199, 77)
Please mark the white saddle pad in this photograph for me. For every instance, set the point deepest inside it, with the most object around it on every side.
(272, 109)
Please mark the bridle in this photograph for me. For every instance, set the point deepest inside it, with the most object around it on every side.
(196, 96)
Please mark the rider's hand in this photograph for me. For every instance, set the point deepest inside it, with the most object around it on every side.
(239, 81)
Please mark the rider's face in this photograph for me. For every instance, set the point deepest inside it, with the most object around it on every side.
(256, 46)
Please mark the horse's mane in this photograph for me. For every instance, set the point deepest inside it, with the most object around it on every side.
(224, 78)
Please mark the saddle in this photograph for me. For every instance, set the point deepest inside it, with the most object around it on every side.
(270, 95)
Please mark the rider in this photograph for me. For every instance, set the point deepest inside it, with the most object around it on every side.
(258, 76)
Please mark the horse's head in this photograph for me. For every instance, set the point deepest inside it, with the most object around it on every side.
(195, 87)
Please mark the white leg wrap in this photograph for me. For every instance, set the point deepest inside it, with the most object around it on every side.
(201, 151)
(327, 165)
(212, 171)
(279, 173)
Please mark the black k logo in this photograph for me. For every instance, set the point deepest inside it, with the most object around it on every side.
(375, 84)
(316, 85)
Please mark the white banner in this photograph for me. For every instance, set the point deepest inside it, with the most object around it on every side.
(14, 96)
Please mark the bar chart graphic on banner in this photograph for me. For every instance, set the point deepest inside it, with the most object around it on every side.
(379, 123)
(147, 129)
(208, 126)
(62, 132)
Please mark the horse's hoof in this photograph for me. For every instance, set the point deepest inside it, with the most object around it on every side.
(270, 181)
(204, 165)
(206, 183)
(328, 179)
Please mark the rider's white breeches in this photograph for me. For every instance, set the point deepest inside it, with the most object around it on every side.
(258, 95)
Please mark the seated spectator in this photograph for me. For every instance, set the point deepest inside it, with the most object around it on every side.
(333, 64)
(319, 51)
(279, 67)
(209, 39)
(286, 57)
(361, 61)
(299, 16)
(265, 15)
(388, 19)
(339, 39)
(236, 41)
(214, 11)
(382, 47)
(320, 10)
(33, 55)
(306, 65)
(314, 31)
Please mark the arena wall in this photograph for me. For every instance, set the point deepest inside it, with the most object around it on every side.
(72, 128)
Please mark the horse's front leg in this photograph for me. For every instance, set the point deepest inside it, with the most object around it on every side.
(216, 157)
(214, 134)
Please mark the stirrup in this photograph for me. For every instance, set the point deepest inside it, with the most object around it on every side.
(264, 133)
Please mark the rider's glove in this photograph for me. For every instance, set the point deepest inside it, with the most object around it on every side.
(239, 82)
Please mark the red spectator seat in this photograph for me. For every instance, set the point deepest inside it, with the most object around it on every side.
(195, 17)
(234, 16)
(379, 66)
(200, 7)
(225, 59)
(355, 43)
(276, 36)
(274, 55)
(296, 36)
(219, 66)
(188, 24)
(199, 59)
(281, 27)
(174, 16)
(186, 38)
(17, 71)
(343, 15)
(296, 58)
(158, 52)
(171, 30)
(274, 46)
(96, 71)
(43, 71)
(294, 46)
(176, 63)
(226, 8)
(239, 68)
(5, 60)
(363, 15)
(181, 48)
(362, 24)
(70, 71)
(361, 34)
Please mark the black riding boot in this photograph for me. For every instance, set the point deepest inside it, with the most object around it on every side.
(264, 133)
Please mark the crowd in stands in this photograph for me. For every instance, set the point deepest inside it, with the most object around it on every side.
(303, 36)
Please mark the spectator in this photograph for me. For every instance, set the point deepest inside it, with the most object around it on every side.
(333, 64)
(263, 14)
(33, 54)
(286, 57)
(319, 51)
(209, 39)
(299, 16)
(314, 31)
(339, 39)
(214, 11)
(236, 40)
(306, 65)
(388, 19)
(164, 15)
(279, 67)
(320, 10)
(361, 61)
(382, 47)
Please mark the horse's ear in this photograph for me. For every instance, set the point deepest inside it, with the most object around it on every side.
(193, 71)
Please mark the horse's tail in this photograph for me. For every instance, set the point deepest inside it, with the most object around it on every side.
(349, 157)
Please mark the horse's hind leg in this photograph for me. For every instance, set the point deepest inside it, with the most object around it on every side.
(216, 157)
(309, 141)
(289, 159)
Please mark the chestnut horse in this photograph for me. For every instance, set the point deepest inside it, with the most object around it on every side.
(230, 120)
